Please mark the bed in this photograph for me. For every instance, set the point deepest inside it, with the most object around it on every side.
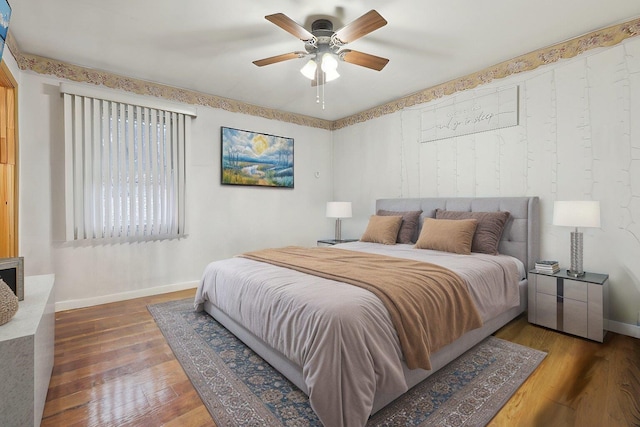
(290, 317)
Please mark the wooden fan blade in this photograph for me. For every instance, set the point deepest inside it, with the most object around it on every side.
(290, 26)
(279, 58)
(363, 59)
(362, 26)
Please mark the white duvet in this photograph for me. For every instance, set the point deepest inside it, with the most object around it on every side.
(341, 335)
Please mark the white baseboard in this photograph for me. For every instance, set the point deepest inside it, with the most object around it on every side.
(88, 302)
(624, 328)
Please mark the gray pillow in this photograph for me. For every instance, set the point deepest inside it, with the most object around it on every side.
(489, 231)
(409, 229)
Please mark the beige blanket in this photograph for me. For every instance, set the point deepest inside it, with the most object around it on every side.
(429, 305)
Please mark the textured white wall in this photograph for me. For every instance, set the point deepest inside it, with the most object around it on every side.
(578, 138)
(222, 220)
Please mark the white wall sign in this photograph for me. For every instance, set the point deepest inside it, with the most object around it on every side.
(487, 112)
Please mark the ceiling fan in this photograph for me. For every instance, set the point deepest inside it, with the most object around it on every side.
(326, 46)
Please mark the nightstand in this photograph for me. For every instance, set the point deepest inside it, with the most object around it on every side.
(575, 305)
(331, 242)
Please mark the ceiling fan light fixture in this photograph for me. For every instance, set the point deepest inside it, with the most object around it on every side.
(309, 69)
(325, 47)
(331, 75)
(329, 63)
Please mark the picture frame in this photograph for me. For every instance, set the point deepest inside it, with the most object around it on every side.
(5, 16)
(256, 159)
(12, 272)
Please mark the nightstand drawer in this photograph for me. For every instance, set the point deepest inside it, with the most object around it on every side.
(574, 317)
(575, 290)
(547, 284)
(546, 315)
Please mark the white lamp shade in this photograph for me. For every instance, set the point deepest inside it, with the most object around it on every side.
(583, 213)
(329, 63)
(331, 75)
(329, 66)
(309, 69)
(338, 209)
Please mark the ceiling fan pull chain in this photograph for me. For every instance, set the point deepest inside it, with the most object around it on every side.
(318, 72)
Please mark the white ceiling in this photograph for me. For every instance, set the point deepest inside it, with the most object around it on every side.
(208, 45)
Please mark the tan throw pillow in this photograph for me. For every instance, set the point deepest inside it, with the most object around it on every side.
(489, 230)
(448, 235)
(382, 229)
(409, 229)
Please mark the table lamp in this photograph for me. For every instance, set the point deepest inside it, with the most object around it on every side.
(338, 210)
(576, 214)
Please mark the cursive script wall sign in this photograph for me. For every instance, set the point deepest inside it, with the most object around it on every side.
(487, 112)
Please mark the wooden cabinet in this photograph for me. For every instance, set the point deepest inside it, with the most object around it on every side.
(575, 305)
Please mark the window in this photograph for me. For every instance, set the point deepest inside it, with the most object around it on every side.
(125, 166)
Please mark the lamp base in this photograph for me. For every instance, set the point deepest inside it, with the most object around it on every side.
(572, 273)
(576, 255)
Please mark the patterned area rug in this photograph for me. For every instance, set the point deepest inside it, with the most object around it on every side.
(241, 389)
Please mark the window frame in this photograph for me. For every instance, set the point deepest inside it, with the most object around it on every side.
(93, 118)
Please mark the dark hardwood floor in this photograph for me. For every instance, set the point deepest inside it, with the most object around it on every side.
(113, 367)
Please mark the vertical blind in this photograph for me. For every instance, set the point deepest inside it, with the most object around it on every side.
(125, 169)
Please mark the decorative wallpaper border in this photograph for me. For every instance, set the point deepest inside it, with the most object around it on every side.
(602, 38)
(609, 36)
(81, 74)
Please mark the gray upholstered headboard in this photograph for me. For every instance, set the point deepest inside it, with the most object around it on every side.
(521, 236)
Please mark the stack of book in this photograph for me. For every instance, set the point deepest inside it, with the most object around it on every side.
(547, 267)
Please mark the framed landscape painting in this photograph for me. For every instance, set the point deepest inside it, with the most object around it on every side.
(252, 158)
(5, 16)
